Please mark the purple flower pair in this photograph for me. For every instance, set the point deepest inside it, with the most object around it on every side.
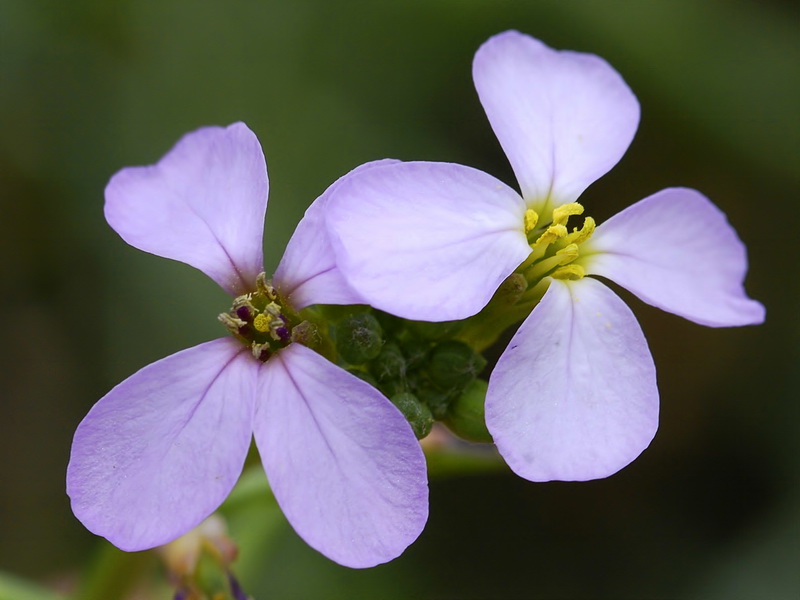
(573, 396)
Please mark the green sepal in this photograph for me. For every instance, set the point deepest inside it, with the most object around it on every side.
(416, 413)
(454, 364)
(389, 364)
(465, 415)
(415, 351)
(436, 400)
(359, 338)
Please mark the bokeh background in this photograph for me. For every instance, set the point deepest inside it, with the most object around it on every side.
(710, 510)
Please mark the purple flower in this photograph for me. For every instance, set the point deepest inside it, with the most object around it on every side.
(162, 450)
(574, 395)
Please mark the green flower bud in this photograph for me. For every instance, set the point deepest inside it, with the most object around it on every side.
(511, 290)
(415, 351)
(453, 365)
(359, 338)
(389, 364)
(417, 414)
(392, 387)
(436, 400)
(465, 415)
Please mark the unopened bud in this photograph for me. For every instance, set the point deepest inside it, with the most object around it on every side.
(466, 416)
(389, 364)
(359, 338)
(415, 352)
(454, 364)
(436, 400)
(511, 290)
(416, 413)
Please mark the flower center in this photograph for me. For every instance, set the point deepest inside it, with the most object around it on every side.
(554, 249)
(263, 321)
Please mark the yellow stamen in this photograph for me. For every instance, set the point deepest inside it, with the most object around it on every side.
(578, 236)
(570, 272)
(562, 213)
(531, 218)
(568, 254)
(551, 234)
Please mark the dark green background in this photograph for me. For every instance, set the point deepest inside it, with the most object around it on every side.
(710, 510)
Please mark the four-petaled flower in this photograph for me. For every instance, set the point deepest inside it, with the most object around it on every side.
(574, 395)
(163, 449)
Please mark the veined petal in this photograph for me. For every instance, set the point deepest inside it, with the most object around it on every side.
(574, 396)
(202, 204)
(161, 451)
(677, 251)
(307, 273)
(342, 461)
(563, 118)
(427, 241)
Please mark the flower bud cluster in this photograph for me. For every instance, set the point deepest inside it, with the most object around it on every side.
(422, 367)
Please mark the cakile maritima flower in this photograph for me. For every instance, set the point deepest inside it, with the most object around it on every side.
(573, 396)
(162, 450)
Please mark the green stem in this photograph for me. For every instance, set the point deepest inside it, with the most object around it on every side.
(15, 588)
(113, 573)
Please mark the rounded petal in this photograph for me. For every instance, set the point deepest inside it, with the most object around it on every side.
(677, 251)
(427, 241)
(574, 396)
(202, 204)
(563, 118)
(161, 451)
(342, 461)
(307, 273)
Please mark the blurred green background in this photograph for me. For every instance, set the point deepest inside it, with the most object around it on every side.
(710, 510)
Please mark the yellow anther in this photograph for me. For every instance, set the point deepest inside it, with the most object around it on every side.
(570, 272)
(568, 253)
(531, 218)
(578, 236)
(551, 234)
(562, 213)
(262, 321)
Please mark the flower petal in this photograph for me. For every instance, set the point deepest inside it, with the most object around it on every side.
(574, 395)
(342, 461)
(563, 118)
(307, 273)
(677, 251)
(423, 240)
(202, 204)
(161, 451)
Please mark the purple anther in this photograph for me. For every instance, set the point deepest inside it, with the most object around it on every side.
(236, 589)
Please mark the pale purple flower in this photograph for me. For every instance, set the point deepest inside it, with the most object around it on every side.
(574, 395)
(162, 450)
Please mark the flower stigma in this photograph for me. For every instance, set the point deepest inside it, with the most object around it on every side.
(263, 321)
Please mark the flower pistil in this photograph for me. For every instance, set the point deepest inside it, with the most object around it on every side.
(263, 321)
